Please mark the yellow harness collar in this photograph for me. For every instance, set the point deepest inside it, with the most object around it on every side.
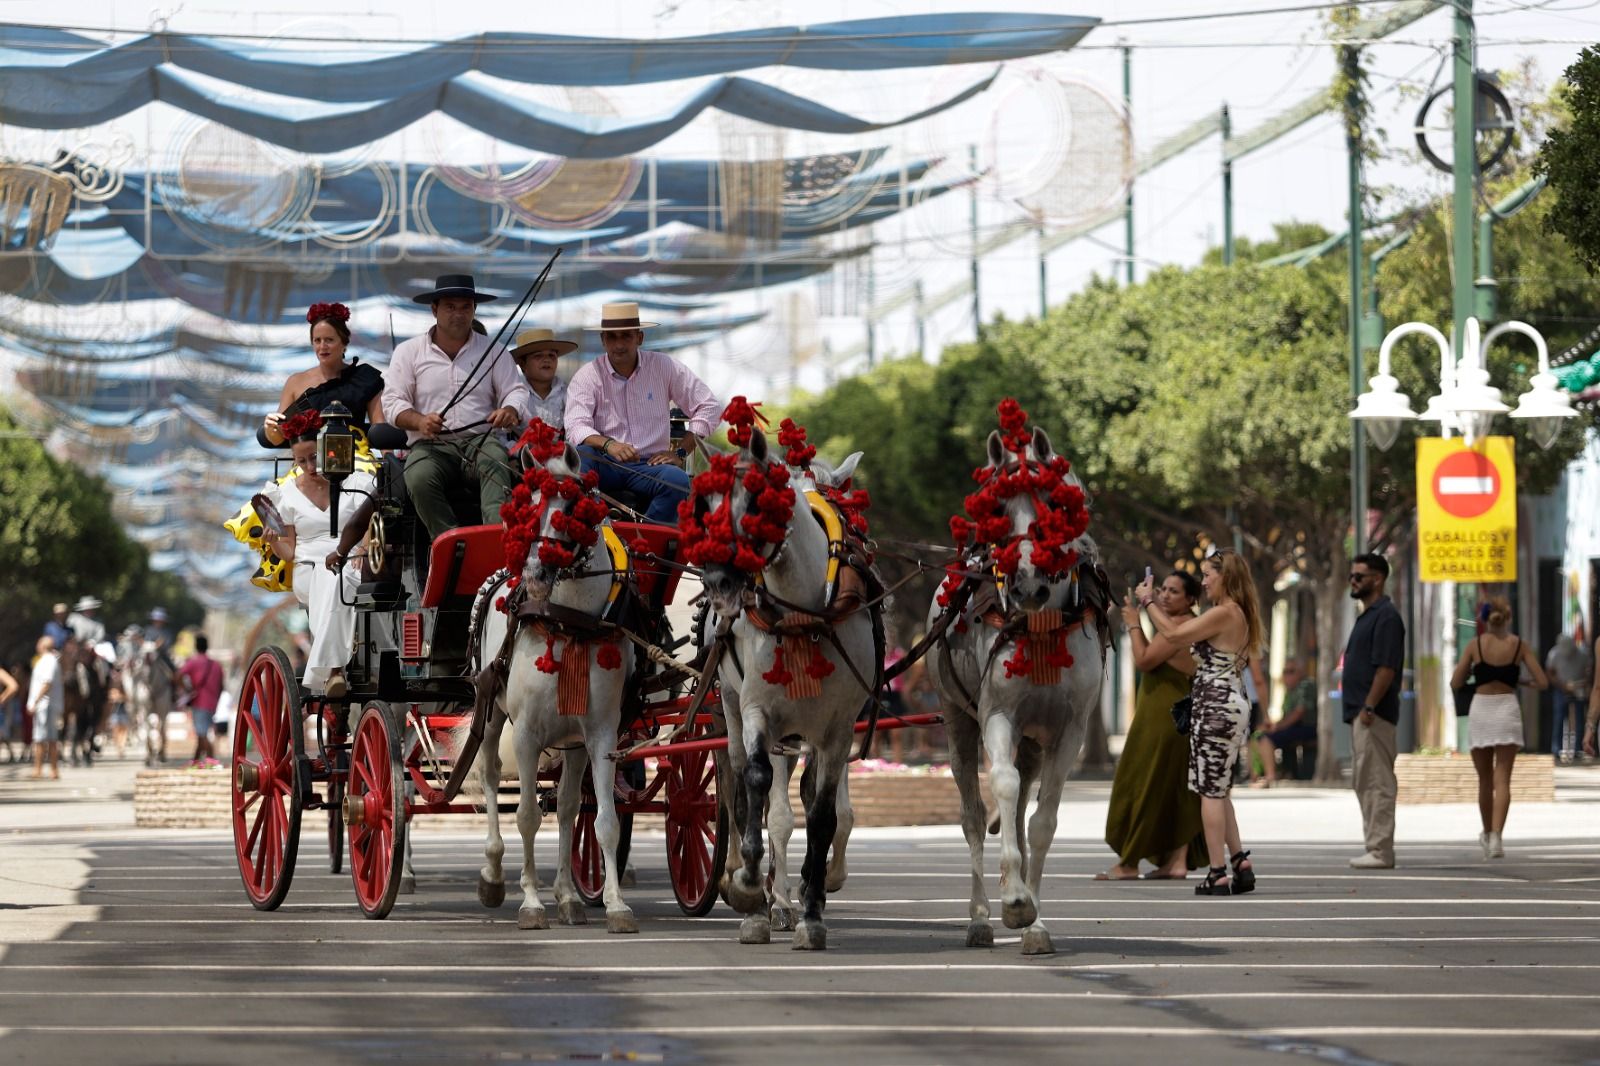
(620, 562)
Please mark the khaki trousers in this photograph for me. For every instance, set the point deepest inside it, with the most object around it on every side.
(1374, 783)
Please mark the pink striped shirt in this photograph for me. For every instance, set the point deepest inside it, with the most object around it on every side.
(638, 409)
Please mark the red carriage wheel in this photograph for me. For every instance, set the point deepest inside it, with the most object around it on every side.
(588, 858)
(697, 828)
(268, 746)
(375, 811)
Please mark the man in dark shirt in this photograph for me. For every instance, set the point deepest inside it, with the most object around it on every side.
(1372, 662)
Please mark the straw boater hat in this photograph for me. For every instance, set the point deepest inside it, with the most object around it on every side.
(454, 285)
(87, 603)
(620, 316)
(530, 341)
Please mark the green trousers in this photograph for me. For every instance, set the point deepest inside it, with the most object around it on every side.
(435, 468)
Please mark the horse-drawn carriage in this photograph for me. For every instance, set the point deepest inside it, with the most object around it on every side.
(386, 750)
(1019, 627)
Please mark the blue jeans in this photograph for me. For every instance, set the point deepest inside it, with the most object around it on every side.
(663, 486)
(1563, 703)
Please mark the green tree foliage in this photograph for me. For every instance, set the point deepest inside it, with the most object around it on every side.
(1570, 158)
(59, 540)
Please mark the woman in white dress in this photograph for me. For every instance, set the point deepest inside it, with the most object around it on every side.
(328, 596)
(1495, 659)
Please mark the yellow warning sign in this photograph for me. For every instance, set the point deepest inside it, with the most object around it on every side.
(1466, 510)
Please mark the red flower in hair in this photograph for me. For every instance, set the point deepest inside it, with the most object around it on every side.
(337, 312)
(300, 425)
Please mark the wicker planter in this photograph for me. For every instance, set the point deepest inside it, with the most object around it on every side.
(1451, 779)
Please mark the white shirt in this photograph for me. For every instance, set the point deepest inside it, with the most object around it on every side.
(551, 409)
(422, 378)
(47, 671)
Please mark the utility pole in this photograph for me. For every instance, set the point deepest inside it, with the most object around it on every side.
(1350, 60)
(1464, 163)
(972, 220)
(1044, 274)
(872, 307)
(1227, 190)
(1127, 104)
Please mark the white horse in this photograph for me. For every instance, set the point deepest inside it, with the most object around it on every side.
(1029, 731)
(760, 714)
(529, 701)
(780, 812)
(148, 689)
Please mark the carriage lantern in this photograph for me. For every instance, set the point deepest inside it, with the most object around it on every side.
(336, 455)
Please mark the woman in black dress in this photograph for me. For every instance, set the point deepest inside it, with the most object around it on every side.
(358, 386)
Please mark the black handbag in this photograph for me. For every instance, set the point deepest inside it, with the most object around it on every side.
(1180, 714)
(1464, 694)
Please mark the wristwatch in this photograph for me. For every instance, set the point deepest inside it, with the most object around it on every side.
(683, 453)
(1367, 709)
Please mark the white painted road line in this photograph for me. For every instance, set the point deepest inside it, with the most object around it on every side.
(1231, 1033)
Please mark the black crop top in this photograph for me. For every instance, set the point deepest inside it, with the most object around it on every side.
(1485, 673)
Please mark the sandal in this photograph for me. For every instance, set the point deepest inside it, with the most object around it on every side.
(1216, 883)
(1244, 877)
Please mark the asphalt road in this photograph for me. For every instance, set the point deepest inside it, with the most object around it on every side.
(126, 946)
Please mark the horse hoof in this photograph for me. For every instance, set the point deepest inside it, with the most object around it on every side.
(783, 919)
(810, 936)
(408, 885)
(980, 935)
(571, 912)
(1036, 941)
(755, 930)
(491, 893)
(532, 919)
(621, 922)
(746, 895)
(1019, 914)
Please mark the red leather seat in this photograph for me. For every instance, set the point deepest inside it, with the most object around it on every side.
(661, 541)
(484, 556)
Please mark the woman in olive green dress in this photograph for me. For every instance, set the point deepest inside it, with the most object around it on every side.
(1153, 815)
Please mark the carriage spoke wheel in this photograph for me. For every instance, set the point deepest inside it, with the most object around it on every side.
(268, 746)
(697, 829)
(375, 811)
(588, 857)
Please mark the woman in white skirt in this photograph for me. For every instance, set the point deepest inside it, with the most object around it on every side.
(1495, 660)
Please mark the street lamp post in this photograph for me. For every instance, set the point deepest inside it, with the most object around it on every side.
(1467, 402)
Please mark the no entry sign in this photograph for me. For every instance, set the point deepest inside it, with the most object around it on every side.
(1466, 510)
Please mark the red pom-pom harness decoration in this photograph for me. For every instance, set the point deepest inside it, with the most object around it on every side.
(579, 511)
(337, 312)
(710, 538)
(1059, 518)
(1059, 512)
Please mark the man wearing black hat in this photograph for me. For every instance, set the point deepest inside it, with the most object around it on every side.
(448, 422)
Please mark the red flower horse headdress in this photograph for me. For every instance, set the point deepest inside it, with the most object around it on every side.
(710, 537)
(523, 513)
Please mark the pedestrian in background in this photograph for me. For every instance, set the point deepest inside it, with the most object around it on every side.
(201, 678)
(1373, 658)
(1568, 668)
(1591, 722)
(47, 706)
(1225, 638)
(1495, 659)
(10, 712)
(56, 627)
(1153, 815)
(1296, 725)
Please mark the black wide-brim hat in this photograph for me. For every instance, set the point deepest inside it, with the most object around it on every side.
(454, 285)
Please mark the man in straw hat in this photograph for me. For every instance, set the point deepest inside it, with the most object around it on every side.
(619, 412)
(83, 622)
(425, 373)
(536, 353)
